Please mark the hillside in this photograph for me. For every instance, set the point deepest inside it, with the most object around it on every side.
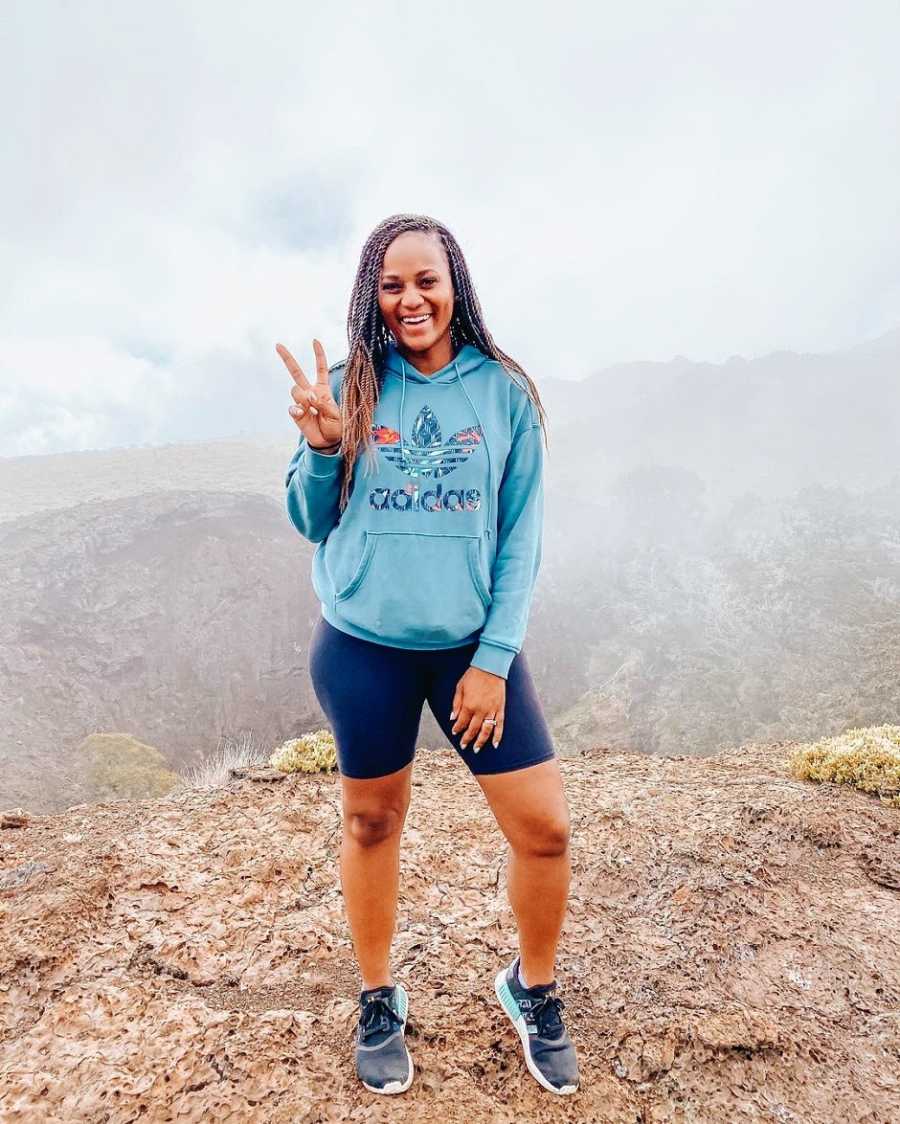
(180, 618)
(732, 953)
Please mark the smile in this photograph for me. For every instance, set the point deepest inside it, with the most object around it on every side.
(413, 321)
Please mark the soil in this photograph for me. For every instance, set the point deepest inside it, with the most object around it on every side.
(731, 952)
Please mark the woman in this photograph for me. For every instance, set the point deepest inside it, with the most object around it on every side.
(425, 567)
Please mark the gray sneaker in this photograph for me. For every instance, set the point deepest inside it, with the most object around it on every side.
(383, 1063)
(536, 1014)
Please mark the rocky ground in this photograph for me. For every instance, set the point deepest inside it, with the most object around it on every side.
(731, 953)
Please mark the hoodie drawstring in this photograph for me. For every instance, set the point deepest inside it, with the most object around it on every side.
(402, 398)
(487, 447)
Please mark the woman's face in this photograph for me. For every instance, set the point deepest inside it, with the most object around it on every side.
(415, 292)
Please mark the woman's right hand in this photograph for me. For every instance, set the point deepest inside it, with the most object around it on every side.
(314, 409)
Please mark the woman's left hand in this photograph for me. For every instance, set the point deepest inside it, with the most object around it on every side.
(479, 695)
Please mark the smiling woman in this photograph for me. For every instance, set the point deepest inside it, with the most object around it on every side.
(417, 300)
(425, 577)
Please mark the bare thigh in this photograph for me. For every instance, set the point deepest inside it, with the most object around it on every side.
(530, 807)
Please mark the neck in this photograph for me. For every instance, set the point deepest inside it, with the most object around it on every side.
(434, 358)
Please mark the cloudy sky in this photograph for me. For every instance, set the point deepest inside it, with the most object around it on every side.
(184, 184)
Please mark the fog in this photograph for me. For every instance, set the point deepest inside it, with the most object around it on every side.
(681, 220)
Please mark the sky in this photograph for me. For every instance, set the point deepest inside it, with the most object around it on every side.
(182, 185)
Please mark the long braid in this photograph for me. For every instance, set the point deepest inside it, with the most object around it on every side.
(368, 337)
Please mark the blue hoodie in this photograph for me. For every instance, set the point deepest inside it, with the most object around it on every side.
(441, 545)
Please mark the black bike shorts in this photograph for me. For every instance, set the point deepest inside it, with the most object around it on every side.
(373, 694)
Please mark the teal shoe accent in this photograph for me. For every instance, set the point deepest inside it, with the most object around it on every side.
(383, 1062)
(536, 1014)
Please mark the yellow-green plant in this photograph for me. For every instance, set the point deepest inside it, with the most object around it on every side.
(867, 757)
(311, 753)
(119, 767)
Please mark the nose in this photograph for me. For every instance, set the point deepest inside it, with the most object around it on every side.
(410, 302)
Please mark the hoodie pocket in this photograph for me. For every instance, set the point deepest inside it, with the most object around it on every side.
(417, 589)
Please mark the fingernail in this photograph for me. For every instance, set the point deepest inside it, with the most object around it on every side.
(452, 715)
(313, 410)
(295, 410)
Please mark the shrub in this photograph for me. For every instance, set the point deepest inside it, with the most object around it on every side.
(311, 753)
(119, 767)
(867, 757)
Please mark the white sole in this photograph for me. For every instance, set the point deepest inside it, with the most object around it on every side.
(522, 1031)
(393, 1087)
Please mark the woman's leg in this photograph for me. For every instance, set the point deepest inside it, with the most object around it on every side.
(522, 783)
(372, 695)
(374, 812)
(532, 813)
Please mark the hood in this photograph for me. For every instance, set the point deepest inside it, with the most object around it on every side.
(469, 358)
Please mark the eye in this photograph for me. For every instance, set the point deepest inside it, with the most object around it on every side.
(393, 286)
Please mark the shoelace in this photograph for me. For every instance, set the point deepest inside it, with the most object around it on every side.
(547, 1016)
(378, 1015)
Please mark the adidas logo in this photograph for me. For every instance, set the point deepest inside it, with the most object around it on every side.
(409, 498)
(426, 454)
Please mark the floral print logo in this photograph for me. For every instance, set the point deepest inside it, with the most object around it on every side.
(426, 454)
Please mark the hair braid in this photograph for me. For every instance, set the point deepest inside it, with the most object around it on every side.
(368, 337)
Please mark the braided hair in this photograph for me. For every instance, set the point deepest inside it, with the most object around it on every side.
(368, 336)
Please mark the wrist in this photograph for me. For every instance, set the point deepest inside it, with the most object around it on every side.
(325, 448)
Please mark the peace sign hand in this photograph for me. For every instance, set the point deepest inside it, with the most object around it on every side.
(315, 410)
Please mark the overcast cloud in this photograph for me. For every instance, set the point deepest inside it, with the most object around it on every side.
(185, 184)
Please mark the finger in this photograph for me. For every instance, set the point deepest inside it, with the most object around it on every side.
(464, 716)
(299, 415)
(321, 364)
(473, 728)
(457, 702)
(325, 405)
(498, 729)
(293, 366)
(305, 398)
(483, 735)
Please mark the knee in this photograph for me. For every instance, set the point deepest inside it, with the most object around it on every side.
(369, 828)
(547, 838)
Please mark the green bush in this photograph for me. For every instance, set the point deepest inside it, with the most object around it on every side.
(867, 757)
(311, 753)
(119, 767)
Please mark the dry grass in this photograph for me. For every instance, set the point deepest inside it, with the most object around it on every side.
(215, 771)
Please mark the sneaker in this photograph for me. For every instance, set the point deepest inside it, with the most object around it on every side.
(535, 1013)
(383, 1063)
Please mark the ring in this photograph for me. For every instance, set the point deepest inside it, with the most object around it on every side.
(489, 722)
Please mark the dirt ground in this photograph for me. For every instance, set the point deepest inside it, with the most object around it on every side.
(731, 953)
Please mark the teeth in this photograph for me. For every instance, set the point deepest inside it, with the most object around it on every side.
(415, 319)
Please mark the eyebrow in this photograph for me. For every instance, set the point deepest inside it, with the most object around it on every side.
(430, 269)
